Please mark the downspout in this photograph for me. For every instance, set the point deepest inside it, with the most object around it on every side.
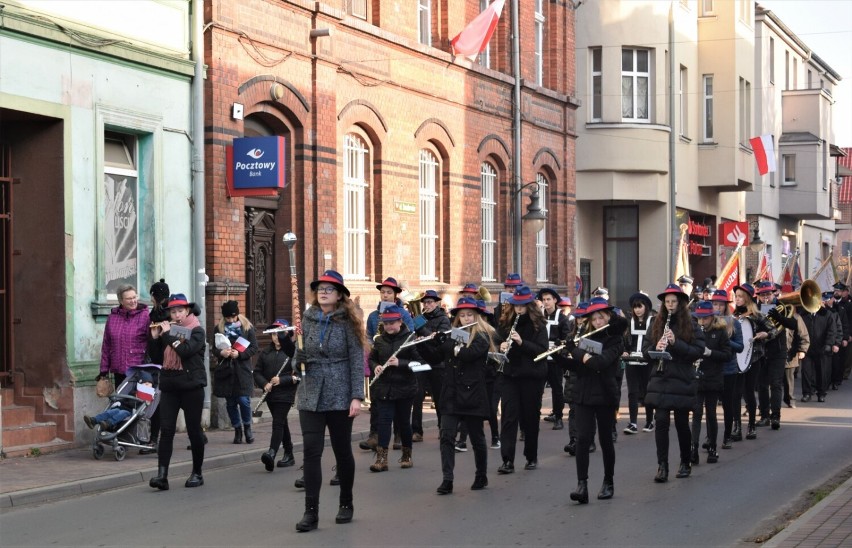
(198, 250)
(674, 233)
(517, 229)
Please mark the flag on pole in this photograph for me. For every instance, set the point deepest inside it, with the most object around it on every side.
(787, 276)
(682, 262)
(473, 39)
(764, 153)
(848, 269)
(825, 276)
(729, 277)
(241, 344)
(797, 272)
(144, 392)
(762, 264)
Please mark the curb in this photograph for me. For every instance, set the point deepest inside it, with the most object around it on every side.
(803, 520)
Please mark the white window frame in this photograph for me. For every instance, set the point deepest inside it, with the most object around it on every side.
(707, 7)
(541, 245)
(424, 18)
(488, 180)
(771, 60)
(636, 76)
(596, 83)
(120, 209)
(683, 98)
(358, 8)
(428, 194)
(746, 11)
(539, 42)
(788, 166)
(356, 156)
(745, 110)
(707, 129)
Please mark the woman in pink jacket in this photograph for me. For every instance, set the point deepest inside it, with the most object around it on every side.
(125, 335)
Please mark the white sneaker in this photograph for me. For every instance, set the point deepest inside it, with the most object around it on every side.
(631, 429)
(649, 427)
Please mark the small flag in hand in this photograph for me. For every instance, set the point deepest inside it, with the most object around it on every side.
(145, 392)
(240, 344)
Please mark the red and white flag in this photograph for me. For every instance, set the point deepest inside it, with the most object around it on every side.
(240, 344)
(764, 153)
(473, 39)
(729, 277)
(764, 268)
(145, 392)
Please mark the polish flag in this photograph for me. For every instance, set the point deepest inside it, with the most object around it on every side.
(240, 344)
(145, 392)
(473, 39)
(764, 153)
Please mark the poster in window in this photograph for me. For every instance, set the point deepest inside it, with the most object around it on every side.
(120, 238)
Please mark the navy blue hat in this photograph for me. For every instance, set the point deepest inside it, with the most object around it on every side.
(179, 299)
(469, 288)
(720, 295)
(513, 279)
(686, 280)
(281, 322)
(580, 309)
(334, 278)
(391, 283)
(430, 294)
(482, 307)
(465, 303)
(391, 314)
(598, 304)
(522, 295)
(674, 289)
(704, 309)
(643, 297)
(747, 287)
(764, 287)
(840, 286)
(826, 295)
(548, 291)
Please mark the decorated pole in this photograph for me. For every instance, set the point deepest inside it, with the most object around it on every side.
(290, 241)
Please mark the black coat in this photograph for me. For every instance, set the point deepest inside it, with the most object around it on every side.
(397, 382)
(521, 356)
(595, 381)
(821, 329)
(710, 377)
(463, 390)
(191, 352)
(436, 321)
(267, 366)
(234, 377)
(672, 384)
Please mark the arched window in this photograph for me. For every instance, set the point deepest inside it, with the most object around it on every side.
(488, 179)
(355, 163)
(541, 236)
(429, 185)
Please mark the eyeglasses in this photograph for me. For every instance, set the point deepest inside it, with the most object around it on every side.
(326, 289)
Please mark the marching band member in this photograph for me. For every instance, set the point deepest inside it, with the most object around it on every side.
(332, 390)
(558, 329)
(522, 328)
(717, 353)
(436, 320)
(281, 392)
(771, 380)
(394, 386)
(596, 394)
(672, 383)
(637, 370)
(731, 377)
(746, 310)
(580, 323)
(463, 396)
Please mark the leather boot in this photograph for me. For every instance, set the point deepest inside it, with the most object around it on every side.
(311, 517)
(381, 464)
(558, 425)
(662, 473)
(249, 435)
(345, 512)
(607, 489)
(195, 480)
(287, 460)
(370, 443)
(571, 448)
(693, 454)
(238, 435)
(581, 493)
(737, 433)
(405, 461)
(397, 442)
(684, 470)
(268, 459)
(161, 480)
(712, 455)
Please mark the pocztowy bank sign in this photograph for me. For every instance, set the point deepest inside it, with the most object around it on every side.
(258, 163)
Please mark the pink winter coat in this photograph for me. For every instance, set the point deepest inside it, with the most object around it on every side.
(125, 339)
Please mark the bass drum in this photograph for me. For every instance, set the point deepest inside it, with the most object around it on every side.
(744, 357)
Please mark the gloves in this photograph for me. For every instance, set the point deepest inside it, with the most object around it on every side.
(441, 337)
(707, 352)
(827, 349)
(774, 315)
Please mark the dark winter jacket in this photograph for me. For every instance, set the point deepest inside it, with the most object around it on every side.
(234, 377)
(125, 339)
(268, 365)
(191, 353)
(594, 382)
(710, 377)
(373, 319)
(759, 324)
(822, 331)
(463, 391)
(736, 343)
(776, 349)
(395, 382)
(521, 356)
(436, 321)
(672, 384)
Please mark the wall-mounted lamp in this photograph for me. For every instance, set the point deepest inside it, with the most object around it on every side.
(535, 217)
(318, 33)
(756, 243)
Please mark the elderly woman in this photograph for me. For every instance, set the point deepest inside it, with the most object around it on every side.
(125, 335)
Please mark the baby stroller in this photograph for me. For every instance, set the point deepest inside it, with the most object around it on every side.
(135, 430)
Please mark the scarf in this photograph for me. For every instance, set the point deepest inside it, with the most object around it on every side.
(171, 360)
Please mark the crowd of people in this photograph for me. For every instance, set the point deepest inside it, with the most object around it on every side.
(695, 350)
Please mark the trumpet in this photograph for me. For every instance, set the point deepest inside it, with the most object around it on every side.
(564, 344)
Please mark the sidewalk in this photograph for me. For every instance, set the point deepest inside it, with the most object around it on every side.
(828, 524)
(66, 474)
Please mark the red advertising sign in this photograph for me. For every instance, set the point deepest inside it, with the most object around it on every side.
(731, 233)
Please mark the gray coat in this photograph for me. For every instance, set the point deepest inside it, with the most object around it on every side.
(333, 362)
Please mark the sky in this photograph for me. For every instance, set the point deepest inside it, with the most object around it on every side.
(826, 27)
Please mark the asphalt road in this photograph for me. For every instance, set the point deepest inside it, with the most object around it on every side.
(720, 505)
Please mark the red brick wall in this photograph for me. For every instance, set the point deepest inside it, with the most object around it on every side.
(401, 96)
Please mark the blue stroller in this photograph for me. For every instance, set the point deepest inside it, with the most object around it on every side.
(135, 430)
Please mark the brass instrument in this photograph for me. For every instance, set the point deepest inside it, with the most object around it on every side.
(392, 356)
(808, 297)
(412, 302)
(483, 294)
(575, 341)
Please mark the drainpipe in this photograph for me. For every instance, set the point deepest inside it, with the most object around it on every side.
(198, 250)
(517, 229)
(674, 233)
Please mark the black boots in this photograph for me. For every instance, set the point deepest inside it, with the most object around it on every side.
(662, 473)
(287, 460)
(161, 480)
(479, 482)
(445, 488)
(195, 480)
(693, 454)
(268, 459)
(249, 435)
(607, 489)
(684, 470)
(311, 517)
(581, 493)
(344, 512)
(737, 434)
(238, 435)
(571, 447)
(712, 455)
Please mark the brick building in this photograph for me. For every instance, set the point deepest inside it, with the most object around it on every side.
(398, 155)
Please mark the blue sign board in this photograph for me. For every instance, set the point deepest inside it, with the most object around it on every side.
(258, 162)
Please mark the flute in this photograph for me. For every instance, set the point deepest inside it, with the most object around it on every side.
(392, 356)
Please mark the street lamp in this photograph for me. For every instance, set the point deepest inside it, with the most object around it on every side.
(756, 243)
(534, 216)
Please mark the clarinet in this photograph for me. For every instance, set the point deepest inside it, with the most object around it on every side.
(509, 342)
(665, 330)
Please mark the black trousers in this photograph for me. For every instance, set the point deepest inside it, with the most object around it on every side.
(637, 386)
(749, 386)
(449, 426)
(770, 389)
(587, 416)
(396, 412)
(521, 407)
(661, 433)
(493, 400)
(426, 380)
(191, 401)
(554, 379)
(280, 428)
(838, 365)
(705, 400)
(339, 425)
(816, 371)
(730, 403)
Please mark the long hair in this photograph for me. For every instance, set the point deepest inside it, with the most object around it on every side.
(244, 322)
(507, 315)
(352, 314)
(479, 327)
(749, 309)
(718, 323)
(681, 322)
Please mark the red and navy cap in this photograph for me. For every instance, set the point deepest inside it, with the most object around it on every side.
(333, 277)
(391, 314)
(391, 283)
